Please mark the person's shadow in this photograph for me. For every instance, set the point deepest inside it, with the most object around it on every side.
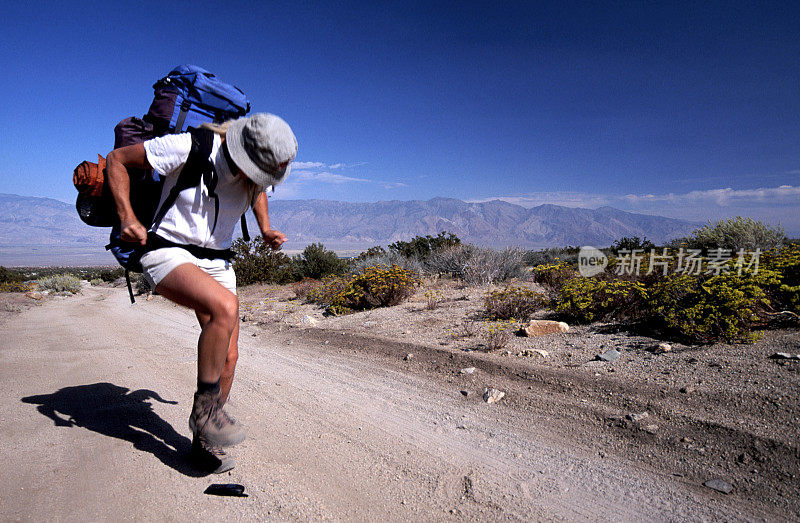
(115, 411)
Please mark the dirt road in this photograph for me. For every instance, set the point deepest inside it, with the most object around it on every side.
(94, 426)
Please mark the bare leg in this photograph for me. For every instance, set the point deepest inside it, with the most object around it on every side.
(226, 379)
(190, 286)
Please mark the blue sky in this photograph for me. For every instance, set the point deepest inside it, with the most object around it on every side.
(688, 110)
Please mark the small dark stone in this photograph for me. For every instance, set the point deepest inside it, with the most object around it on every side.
(465, 393)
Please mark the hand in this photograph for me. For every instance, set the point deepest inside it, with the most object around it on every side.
(132, 231)
(274, 239)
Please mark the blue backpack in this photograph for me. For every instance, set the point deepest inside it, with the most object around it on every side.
(184, 99)
(190, 96)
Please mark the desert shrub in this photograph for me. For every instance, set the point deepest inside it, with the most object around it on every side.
(15, 286)
(497, 334)
(513, 303)
(304, 286)
(420, 247)
(721, 308)
(380, 286)
(108, 275)
(95, 282)
(329, 292)
(371, 253)
(734, 234)
(433, 298)
(786, 262)
(10, 275)
(553, 276)
(377, 286)
(631, 243)
(584, 300)
(255, 262)
(387, 258)
(469, 328)
(316, 262)
(552, 256)
(60, 283)
(141, 285)
(477, 265)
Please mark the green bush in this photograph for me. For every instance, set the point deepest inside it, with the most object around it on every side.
(726, 300)
(786, 262)
(551, 256)
(632, 243)
(724, 307)
(371, 253)
(377, 286)
(584, 300)
(10, 275)
(513, 303)
(255, 262)
(316, 262)
(111, 275)
(734, 234)
(60, 283)
(421, 247)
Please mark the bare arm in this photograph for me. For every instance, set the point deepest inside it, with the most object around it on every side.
(117, 163)
(272, 237)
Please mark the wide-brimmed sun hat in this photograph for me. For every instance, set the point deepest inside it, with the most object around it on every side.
(263, 147)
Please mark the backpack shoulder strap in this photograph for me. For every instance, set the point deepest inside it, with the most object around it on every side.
(198, 167)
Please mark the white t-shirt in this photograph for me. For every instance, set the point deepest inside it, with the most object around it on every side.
(191, 219)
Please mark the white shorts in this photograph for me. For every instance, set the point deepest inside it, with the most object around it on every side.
(160, 262)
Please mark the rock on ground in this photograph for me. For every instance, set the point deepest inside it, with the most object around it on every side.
(493, 395)
(543, 327)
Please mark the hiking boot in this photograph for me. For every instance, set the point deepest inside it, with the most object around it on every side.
(210, 421)
(210, 458)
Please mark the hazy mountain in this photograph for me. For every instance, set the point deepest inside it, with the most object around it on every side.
(494, 223)
(27, 220)
(51, 228)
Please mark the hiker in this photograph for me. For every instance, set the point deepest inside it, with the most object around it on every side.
(187, 253)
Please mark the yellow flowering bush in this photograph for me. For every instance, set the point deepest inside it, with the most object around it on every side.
(15, 286)
(584, 300)
(513, 303)
(723, 307)
(554, 275)
(375, 286)
(785, 262)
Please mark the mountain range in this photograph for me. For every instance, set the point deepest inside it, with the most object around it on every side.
(50, 229)
(494, 223)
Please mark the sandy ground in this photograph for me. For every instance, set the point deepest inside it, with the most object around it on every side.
(94, 419)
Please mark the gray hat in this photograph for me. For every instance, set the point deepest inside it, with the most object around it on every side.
(263, 147)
